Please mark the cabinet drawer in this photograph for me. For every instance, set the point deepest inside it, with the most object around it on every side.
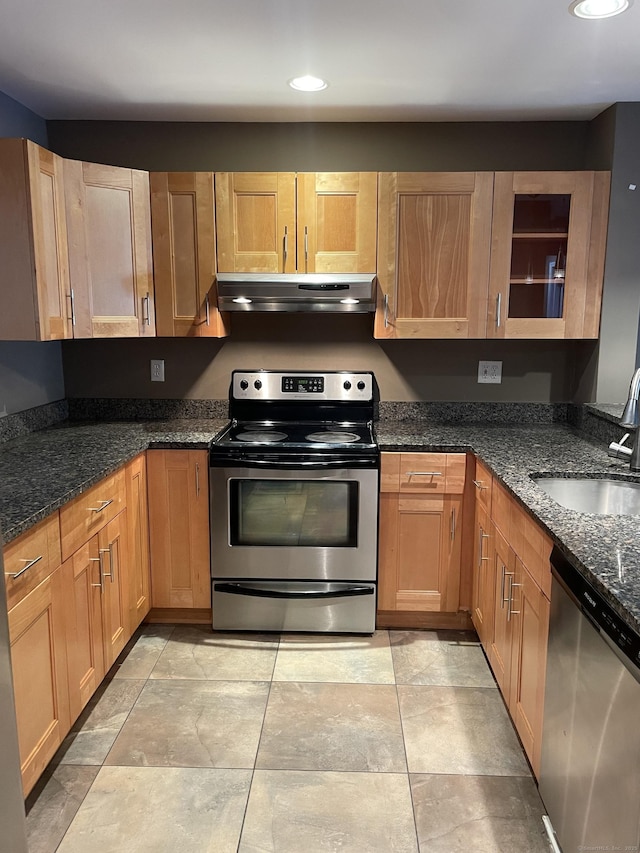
(483, 483)
(533, 547)
(32, 557)
(90, 511)
(432, 473)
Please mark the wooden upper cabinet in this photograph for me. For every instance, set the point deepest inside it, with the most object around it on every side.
(547, 257)
(35, 294)
(337, 220)
(434, 241)
(276, 222)
(184, 257)
(109, 233)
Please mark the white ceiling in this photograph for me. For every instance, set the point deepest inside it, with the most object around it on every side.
(398, 60)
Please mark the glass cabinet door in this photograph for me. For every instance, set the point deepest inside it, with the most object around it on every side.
(547, 261)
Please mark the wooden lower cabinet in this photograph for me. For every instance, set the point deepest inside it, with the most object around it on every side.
(179, 528)
(501, 635)
(138, 525)
(482, 595)
(420, 536)
(113, 552)
(39, 663)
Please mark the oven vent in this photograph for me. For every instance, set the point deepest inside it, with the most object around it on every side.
(309, 292)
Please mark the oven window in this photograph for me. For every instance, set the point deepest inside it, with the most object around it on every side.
(300, 513)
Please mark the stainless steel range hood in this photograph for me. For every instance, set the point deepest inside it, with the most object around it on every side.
(310, 292)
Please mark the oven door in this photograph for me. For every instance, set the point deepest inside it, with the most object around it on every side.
(294, 523)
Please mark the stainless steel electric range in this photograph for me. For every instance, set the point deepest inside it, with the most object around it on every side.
(294, 504)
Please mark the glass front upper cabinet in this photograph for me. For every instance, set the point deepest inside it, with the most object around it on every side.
(548, 237)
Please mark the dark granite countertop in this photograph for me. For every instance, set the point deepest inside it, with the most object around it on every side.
(605, 548)
(42, 471)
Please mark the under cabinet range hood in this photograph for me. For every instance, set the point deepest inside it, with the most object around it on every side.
(308, 292)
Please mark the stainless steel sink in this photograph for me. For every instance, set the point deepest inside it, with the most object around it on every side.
(600, 496)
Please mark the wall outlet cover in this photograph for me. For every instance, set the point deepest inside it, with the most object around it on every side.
(157, 370)
(490, 372)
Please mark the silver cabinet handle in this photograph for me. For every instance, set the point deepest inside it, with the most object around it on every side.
(498, 310)
(481, 558)
(105, 504)
(510, 611)
(424, 473)
(26, 568)
(197, 479)
(306, 247)
(453, 524)
(98, 560)
(386, 310)
(285, 248)
(505, 575)
(72, 305)
(207, 310)
(146, 315)
(104, 574)
(112, 565)
(479, 485)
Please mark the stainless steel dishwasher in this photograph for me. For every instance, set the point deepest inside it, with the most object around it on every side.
(590, 768)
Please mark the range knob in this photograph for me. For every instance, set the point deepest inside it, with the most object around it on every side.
(257, 384)
(346, 385)
(244, 384)
(361, 385)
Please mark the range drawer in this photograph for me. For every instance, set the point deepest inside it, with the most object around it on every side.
(90, 511)
(423, 473)
(31, 558)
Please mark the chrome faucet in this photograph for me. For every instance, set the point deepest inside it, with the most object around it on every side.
(630, 420)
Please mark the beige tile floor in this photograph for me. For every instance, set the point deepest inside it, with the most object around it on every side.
(214, 743)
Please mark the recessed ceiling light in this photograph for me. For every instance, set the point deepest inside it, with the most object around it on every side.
(598, 8)
(308, 83)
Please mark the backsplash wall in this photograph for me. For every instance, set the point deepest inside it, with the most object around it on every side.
(533, 371)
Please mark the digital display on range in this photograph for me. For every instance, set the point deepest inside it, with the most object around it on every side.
(303, 384)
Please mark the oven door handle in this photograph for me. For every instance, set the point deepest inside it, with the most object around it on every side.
(301, 464)
(314, 591)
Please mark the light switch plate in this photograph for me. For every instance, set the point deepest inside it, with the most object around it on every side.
(490, 372)
(157, 370)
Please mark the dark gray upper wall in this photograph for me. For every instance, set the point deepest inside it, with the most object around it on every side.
(18, 121)
(30, 373)
(435, 146)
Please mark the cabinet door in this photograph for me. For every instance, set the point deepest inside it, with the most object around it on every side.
(501, 635)
(483, 587)
(530, 617)
(179, 527)
(138, 523)
(39, 663)
(35, 292)
(434, 241)
(255, 221)
(83, 625)
(109, 232)
(419, 558)
(336, 221)
(547, 259)
(113, 551)
(184, 258)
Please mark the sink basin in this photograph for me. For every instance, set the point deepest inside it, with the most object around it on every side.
(599, 496)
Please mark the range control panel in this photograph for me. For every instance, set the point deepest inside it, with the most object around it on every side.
(337, 386)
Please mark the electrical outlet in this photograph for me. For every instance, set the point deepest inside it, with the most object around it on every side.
(157, 370)
(490, 372)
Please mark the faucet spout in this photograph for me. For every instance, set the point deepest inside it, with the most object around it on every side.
(631, 415)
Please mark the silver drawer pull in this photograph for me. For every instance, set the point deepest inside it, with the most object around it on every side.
(424, 473)
(105, 504)
(386, 310)
(453, 524)
(479, 485)
(29, 563)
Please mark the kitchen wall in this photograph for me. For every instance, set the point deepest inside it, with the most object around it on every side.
(406, 370)
(30, 373)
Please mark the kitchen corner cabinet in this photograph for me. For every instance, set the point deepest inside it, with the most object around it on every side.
(184, 256)
(420, 531)
(35, 296)
(179, 528)
(434, 242)
(547, 257)
(308, 222)
(512, 586)
(110, 262)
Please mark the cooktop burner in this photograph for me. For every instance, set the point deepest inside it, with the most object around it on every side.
(333, 437)
(257, 435)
